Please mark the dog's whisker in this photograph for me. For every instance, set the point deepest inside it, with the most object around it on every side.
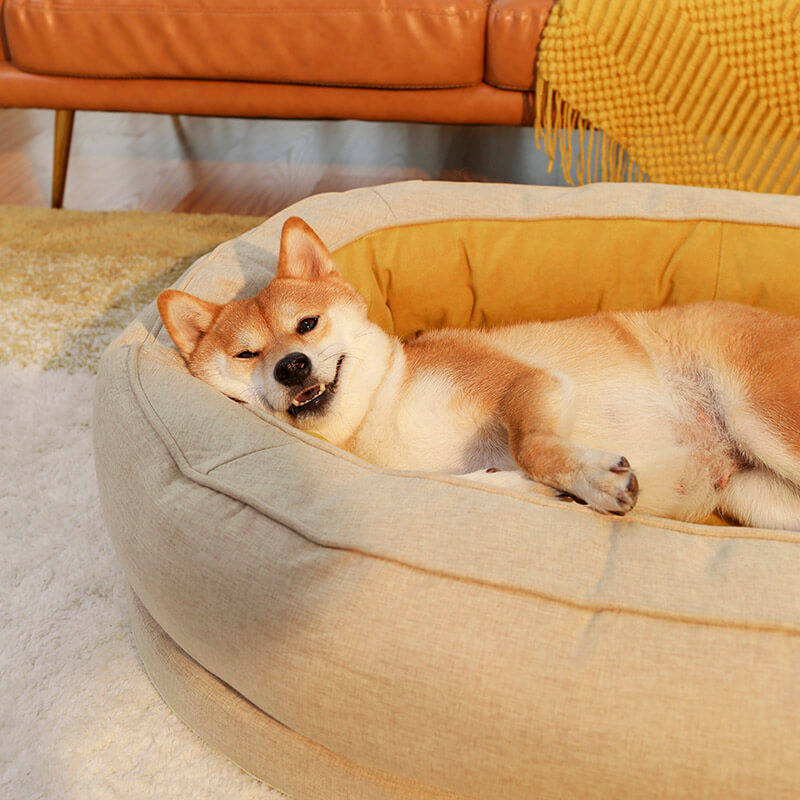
(364, 332)
(337, 346)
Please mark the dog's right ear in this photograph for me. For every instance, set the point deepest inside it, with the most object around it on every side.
(303, 254)
(186, 318)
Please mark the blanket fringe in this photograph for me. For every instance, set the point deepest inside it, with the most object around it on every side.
(599, 158)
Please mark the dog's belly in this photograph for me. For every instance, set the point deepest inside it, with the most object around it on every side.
(487, 449)
(675, 443)
(671, 431)
(639, 394)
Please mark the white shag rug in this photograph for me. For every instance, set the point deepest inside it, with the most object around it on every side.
(79, 718)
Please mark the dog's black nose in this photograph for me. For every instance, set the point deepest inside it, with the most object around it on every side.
(292, 370)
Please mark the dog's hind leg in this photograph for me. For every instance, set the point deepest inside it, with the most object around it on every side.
(760, 405)
(760, 498)
(759, 391)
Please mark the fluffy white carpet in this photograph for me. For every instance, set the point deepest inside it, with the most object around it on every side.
(80, 718)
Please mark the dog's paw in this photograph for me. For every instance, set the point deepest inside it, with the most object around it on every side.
(605, 482)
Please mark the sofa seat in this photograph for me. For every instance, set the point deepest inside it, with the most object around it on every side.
(393, 44)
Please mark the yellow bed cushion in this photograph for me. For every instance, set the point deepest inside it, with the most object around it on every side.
(467, 273)
(342, 630)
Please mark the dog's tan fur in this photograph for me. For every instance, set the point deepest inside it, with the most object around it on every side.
(702, 400)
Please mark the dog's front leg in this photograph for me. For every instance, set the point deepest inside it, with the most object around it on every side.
(535, 411)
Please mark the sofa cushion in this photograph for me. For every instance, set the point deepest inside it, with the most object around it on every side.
(394, 43)
(513, 31)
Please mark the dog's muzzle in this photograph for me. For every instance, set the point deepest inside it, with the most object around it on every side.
(313, 397)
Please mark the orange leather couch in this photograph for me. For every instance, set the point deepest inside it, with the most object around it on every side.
(443, 61)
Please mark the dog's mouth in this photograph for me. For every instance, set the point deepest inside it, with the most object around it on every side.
(316, 396)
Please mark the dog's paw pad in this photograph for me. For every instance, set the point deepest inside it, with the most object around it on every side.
(607, 483)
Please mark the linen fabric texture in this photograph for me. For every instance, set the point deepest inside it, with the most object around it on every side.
(342, 630)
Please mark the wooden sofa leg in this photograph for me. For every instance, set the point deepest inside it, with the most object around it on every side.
(63, 139)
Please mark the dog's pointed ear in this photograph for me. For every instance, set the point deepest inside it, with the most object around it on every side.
(302, 253)
(186, 318)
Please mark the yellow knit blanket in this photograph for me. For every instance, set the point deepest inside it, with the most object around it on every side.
(700, 92)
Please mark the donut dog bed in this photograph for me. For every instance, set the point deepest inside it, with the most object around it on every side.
(345, 631)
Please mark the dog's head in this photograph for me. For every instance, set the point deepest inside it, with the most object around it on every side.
(297, 349)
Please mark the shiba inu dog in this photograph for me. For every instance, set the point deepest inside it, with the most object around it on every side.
(683, 411)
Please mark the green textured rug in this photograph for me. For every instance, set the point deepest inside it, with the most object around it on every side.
(70, 280)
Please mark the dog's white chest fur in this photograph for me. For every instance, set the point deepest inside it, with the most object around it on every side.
(428, 424)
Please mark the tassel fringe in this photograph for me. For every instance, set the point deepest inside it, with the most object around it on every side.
(628, 90)
(599, 157)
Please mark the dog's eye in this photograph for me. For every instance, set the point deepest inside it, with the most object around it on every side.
(246, 354)
(307, 324)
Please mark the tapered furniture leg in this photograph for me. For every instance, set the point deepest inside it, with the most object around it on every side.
(63, 139)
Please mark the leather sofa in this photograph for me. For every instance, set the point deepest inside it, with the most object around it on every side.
(439, 61)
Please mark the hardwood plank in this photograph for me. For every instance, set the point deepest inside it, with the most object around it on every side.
(244, 166)
(20, 183)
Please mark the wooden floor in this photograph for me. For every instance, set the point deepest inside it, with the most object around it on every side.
(240, 166)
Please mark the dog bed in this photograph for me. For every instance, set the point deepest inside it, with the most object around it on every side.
(345, 631)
